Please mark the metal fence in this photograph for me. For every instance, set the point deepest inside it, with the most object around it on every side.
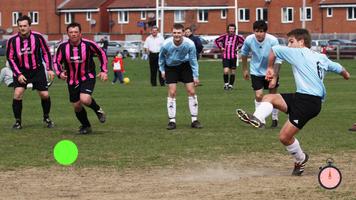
(330, 36)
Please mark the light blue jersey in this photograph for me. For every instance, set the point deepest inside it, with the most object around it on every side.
(309, 68)
(173, 55)
(260, 52)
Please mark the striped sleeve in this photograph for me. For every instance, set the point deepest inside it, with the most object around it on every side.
(240, 41)
(45, 52)
(11, 56)
(101, 55)
(57, 60)
(218, 41)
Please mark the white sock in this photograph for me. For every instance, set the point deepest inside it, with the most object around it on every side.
(296, 151)
(171, 107)
(257, 104)
(275, 114)
(193, 107)
(263, 111)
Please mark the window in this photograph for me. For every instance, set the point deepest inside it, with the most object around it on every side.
(307, 14)
(287, 15)
(329, 12)
(143, 15)
(68, 18)
(123, 17)
(89, 15)
(179, 16)
(223, 14)
(262, 14)
(159, 15)
(15, 16)
(244, 14)
(34, 17)
(351, 13)
(203, 15)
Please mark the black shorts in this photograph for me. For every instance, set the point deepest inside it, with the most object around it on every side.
(302, 108)
(259, 82)
(230, 63)
(37, 78)
(86, 87)
(182, 73)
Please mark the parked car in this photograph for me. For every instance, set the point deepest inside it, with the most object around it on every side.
(114, 47)
(3, 47)
(211, 50)
(53, 46)
(133, 48)
(317, 45)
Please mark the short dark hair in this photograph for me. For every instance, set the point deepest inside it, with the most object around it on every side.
(178, 26)
(230, 25)
(73, 25)
(23, 18)
(301, 34)
(260, 25)
(188, 28)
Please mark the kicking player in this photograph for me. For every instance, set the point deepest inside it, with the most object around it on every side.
(309, 68)
(260, 44)
(178, 62)
(76, 55)
(25, 52)
(229, 43)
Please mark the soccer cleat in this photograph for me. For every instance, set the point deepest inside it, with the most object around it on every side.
(84, 130)
(250, 119)
(242, 115)
(353, 128)
(299, 166)
(226, 86)
(230, 87)
(171, 126)
(196, 124)
(17, 125)
(274, 123)
(48, 122)
(101, 115)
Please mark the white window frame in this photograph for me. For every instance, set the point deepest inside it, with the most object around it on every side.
(353, 18)
(261, 10)
(244, 17)
(32, 16)
(15, 16)
(68, 18)
(143, 15)
(223, 14)
(202, 20)
(89, 16)
(327, 12)
(179, 16)
(287, 11)
(305, 14)
(121, 17)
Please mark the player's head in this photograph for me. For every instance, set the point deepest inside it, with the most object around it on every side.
(188, 32)
(178, 30)
(299, 38)
(74, 31)
(154, 31)
(260, 28)
(24, 25)
(231, 29)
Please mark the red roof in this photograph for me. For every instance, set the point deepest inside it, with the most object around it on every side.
(83, 4)
(152, 3)
(338, 2)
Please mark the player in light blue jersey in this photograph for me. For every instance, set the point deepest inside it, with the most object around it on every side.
(260, 44)
(309, 68)
(178, 62)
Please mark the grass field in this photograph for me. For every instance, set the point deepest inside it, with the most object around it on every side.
(135, 136)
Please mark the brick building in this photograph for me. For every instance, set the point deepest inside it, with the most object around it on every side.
(209, 17)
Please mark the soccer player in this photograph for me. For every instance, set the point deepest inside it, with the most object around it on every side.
(178, 62)
(78, 69)
(25, 52)
(229, 43)
(309, 68)
(260, 44)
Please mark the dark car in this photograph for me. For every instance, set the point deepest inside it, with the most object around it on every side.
(3, 47)
(210, 50)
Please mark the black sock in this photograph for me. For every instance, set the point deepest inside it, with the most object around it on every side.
(232, 79)
(226, 78)
(46, 107)
(94, 105)
(83, 117)
(17, 109)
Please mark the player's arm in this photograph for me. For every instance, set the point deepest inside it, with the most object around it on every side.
(270, 68)
(162, 61)
(245, 50)
(103, 75)
(57, 63)
(218, 42)
(337, 68)
(194, 64)
(11, 54)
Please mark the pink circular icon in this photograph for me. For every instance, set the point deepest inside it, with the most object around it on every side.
(330, 177)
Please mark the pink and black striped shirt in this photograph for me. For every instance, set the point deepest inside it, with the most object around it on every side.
(230, 43)
(25, 55)
(78, 61)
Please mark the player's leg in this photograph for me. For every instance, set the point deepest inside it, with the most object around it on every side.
(232, 73)
(46, 108)
(82, 117)
(226, 71)
(17, 104)
(171, 105)
(153, 69)
(274, 111)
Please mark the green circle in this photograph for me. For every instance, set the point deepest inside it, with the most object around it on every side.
(65, 152)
